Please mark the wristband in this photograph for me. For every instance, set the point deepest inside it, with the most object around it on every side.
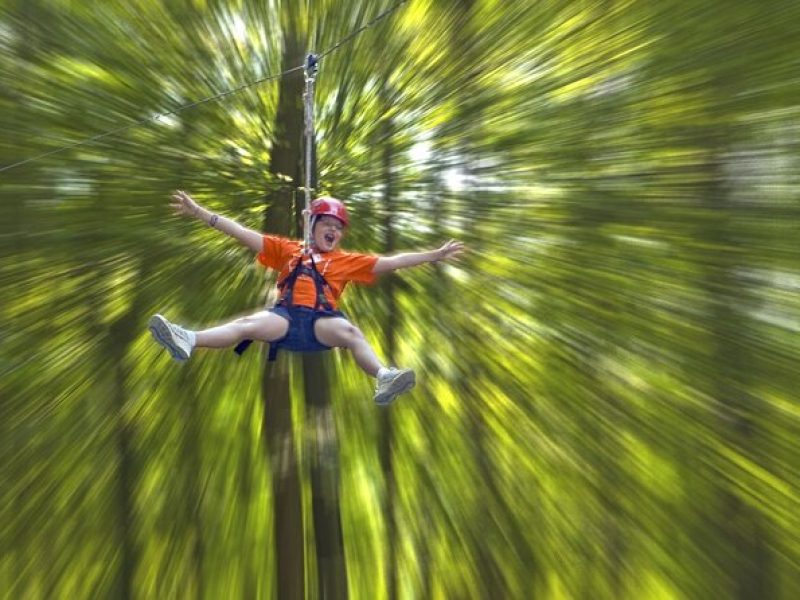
(213, 221)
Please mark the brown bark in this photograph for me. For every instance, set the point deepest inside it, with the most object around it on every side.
(324, 452)
(277, 425)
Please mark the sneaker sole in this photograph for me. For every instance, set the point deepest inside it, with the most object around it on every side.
(160, 330)
(401, 385)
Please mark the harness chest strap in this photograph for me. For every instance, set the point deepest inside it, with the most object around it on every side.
(286, 285)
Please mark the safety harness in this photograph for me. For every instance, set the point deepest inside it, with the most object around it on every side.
(286, 285)
(300, 336)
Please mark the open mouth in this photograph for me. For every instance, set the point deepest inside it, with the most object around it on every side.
(330, 238)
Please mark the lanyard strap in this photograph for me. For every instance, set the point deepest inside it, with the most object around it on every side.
(311, 69)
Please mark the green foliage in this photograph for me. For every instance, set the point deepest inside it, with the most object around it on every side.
(607, 400)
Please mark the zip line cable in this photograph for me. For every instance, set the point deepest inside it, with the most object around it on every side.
(362, 28)
(204, 100)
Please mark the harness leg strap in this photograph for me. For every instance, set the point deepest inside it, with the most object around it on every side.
(242, 346)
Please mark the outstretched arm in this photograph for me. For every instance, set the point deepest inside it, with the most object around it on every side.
(183, 204)
(386, 264)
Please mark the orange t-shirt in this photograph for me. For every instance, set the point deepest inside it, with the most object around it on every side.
(336, 267)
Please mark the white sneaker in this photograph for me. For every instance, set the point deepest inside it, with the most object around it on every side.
(174, 338)
(393, 383)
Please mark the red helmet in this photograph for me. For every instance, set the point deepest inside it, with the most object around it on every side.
(327, 205)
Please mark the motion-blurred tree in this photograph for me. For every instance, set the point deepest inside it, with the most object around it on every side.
(606, 402)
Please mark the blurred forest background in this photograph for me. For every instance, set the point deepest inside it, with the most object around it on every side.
(608, 386)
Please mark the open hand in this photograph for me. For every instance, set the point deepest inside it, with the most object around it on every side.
(450, 249)
(183, 204)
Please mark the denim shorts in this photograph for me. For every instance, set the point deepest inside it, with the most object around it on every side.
(300, 336)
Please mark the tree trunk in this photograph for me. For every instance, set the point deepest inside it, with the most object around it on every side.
(118, 339)
(286, 490)
(744, 558)
(389, 336)
(277, 426)
(192, 439)
(191, 483)
(324, 452)
(129, 558)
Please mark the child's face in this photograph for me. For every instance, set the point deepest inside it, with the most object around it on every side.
(328, 232)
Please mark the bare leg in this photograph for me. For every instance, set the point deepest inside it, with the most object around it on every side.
(264, 326)
(340, 333)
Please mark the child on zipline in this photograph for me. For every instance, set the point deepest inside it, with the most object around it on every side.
(305, 318)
